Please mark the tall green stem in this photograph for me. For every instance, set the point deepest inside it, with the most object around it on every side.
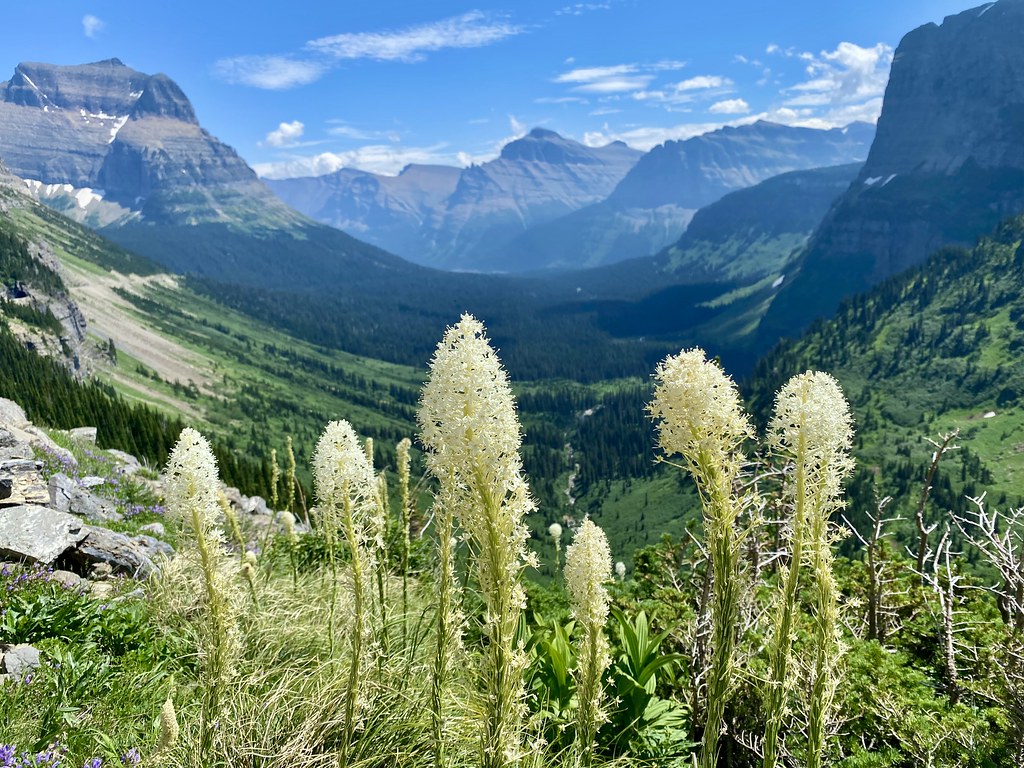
(724, 544)
(779, 649)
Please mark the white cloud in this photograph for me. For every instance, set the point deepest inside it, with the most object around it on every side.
(578, 9)
(268, 72)
(646, 137)
(616, 84)
(285, 135)
(560, 100)
(92, 25)
(594, 74)
(729, 107)
(470, 30)
(385, 159)
(850, 80)
(703, 82)
(281, 71)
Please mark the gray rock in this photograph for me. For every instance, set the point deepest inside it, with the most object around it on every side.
(7, 438)
(67, 496)
(11, 413)
(92, 481)
(129, 464)
(67, 579)
(255, 505)
(116, 550)
(19, 660)
(6, 487)
(38, 534)
(154, 529)
(83, 434)
(152, 547)
(39, 439)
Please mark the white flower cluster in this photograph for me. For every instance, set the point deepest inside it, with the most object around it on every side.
(588, 566)
(555, 531)
(697, 408)
(813, 417)
(191, 484)
(343, 478)
(469, 426)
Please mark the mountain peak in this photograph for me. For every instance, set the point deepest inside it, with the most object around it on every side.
(544, 133)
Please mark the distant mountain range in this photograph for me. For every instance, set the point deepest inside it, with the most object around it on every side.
(550, 202)
(946, 166)
(652, 206)
(462, 218)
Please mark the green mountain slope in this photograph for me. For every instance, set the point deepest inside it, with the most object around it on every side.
(936, 348)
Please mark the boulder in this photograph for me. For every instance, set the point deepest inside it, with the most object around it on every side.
(11, 414)
(38, 534)
(83, 434)
(128, 464)
(67, 579)
(152, 547)
(18, 660)
(39, 439)
(116, 550)
(26, 482)
(154, 529)
(67, 496)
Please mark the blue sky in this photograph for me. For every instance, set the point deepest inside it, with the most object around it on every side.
(302, 87)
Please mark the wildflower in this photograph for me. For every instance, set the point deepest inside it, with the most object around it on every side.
(620, 570)
(588, 565)
(555, 532)
(699, 416)
(191, 491)
(347, 492)
(469, 426)
(812, 428)
(168, 725)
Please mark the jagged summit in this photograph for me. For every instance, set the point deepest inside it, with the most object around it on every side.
(129, 139)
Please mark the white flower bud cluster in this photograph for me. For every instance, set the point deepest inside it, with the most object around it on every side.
(191, 485)
(812, 420)
(555, 531)
(343, 476)
(697, 408)
(469, 426)
(588, 566)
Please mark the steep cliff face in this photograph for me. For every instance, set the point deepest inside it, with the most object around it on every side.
(947, 163)
(106, 143)
(653, 204)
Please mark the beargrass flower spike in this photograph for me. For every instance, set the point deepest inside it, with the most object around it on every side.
(698, 416)
(470, 429)
(347, 494)
(588, 567)
(812, 428)
(191, 488)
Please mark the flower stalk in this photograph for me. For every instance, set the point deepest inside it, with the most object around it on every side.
(470, 429)
(699, 417)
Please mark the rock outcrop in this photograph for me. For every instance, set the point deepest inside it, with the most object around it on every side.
(946, 166)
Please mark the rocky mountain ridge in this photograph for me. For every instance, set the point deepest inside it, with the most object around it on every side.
(654, 203)
(458, 218)
(946, 166)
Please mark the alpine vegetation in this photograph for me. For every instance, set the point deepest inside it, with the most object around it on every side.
(698, 414)
(346, 491)
(471, 432)
(812, 430)
(588, 567)
(191, 492)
